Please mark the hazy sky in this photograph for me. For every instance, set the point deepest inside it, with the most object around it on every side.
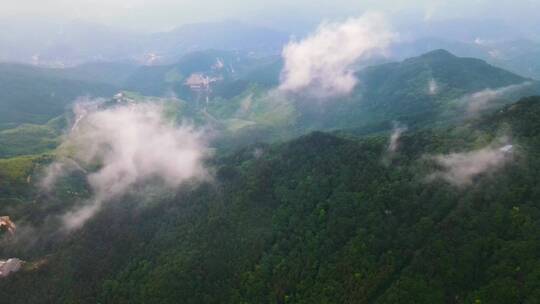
(152, 15)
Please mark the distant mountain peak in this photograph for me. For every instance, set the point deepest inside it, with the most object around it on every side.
(439, 54)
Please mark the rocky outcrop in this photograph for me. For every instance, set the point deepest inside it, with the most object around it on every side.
(9, 266)
(7, 225)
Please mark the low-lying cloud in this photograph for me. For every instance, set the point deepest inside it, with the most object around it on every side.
(460, 169)
(393, 143)
(322, 64)
(59, 168)
(479, 101)
(395, 136)
(131, 144)
(433, 87)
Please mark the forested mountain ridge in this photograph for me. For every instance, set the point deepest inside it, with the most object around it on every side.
(425, 89)
(435, 88)
(431, 87)
(325, 218)
(516, 55)
(452, 77)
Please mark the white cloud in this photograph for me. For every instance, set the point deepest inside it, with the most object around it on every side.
(459, 169)
(132, 144)
(481, 100)
(433, 87)
(393, 143)
(395, 136)
(56, 170)
(323, 62)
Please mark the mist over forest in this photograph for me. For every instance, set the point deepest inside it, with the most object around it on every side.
(269, 152)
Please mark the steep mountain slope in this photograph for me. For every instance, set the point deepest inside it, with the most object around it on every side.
(435, 88)
(425, 89)
(320, 219)
(465, 74)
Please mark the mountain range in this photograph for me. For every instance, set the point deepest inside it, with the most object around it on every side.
(418, 187)
(68, 44)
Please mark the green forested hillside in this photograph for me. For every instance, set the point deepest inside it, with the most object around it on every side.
(28, 139)
(35, 95)
(325, 218)
(434, 89)
(423, 89)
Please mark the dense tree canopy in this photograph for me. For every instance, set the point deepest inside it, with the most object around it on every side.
(325, 218)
